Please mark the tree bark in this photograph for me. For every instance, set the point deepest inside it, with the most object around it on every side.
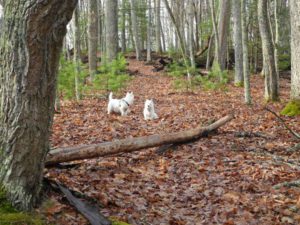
(30, 45)
(238, 47)
(131, 144)
(111, 29)
(245, 57)
(123, 27)
(295, 47)
(77, 52)
(149, 31)
(271, 79)
(223, 28)
(191, 32)
(136, 35)
(157, 26)
(92, 36)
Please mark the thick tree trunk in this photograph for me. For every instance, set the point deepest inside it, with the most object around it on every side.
(223, 28)
(238, 48)
(30, 45)
(271, 79)
(111, 29)
(130, 144)
(295, 46)
(92, 36)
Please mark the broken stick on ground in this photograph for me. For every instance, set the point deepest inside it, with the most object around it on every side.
(131, 144)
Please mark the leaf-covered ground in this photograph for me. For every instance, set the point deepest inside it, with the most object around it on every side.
(222, 179)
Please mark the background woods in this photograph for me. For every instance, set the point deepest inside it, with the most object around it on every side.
(225, 71)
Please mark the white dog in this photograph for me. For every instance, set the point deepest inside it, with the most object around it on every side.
(149, 112)
(120, 105)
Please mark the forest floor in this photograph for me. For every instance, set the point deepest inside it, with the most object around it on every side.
(227, 178)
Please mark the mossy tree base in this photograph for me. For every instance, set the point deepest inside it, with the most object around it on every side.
(291, 109)
(9, 215)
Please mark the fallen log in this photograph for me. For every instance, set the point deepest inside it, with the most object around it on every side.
(130, 144)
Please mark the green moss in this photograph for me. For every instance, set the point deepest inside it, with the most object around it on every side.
(292, 108)
(115, 221)
(9, 215)
(239, 84)
(19, 218)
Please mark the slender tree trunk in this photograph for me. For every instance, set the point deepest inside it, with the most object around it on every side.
(271, 79)
(245, 52)
(123, 30)
(295, 47)
(177, 28)
(276, 39)
(149, 31)
(214, 22)
(30, 46)
(238, 47)
(77, 52)
(157, 26)
(92, 36)
(111, 29)
(100, 26)
(163, 38)
(190, 32)
(209, 52)
(136, 35)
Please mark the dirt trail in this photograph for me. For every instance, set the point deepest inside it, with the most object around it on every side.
(221, 179)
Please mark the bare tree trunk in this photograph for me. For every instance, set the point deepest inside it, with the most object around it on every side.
(92, 36)
(209, 52)
(271, 79)
(245, 52)
(111, 29)
(238, 45)
(123, 30)
(295, 46)
(136, 35)
(190, 32)
(276, 39)
(214, 22)
(131, 144)
(158, 26)
(149, 31)
(77, 52)
(100, 26)
(223, 28)
(27, 91)
(177, 28)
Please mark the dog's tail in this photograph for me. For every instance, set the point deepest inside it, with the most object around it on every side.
(110, 96)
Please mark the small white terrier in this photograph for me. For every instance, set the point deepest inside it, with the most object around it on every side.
(149, 112)
(120, 105)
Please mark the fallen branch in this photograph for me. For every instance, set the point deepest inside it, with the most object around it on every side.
(283, 122)
(295, 183)
(130, 144)
(88, 207)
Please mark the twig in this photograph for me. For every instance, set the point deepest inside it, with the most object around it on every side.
(247, 134)
(283, 122)
(295, 183)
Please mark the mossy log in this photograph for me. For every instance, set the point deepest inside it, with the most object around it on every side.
(130, 144)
